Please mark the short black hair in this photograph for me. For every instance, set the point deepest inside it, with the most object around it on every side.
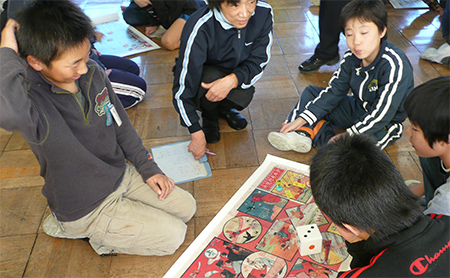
(427, 106)
(353, 182)
(215, 4)
(49, 28)
(367, 11)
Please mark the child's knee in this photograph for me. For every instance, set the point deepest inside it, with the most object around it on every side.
(140, 83)
(133, 68)
(169, 43)
(178, 232)
(190, 207)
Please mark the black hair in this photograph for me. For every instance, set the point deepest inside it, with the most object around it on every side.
(353, 182)
(427, 106)
(367, 11)
(215, 4)
(49, 28)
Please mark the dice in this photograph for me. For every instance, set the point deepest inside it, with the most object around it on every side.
(310, 239)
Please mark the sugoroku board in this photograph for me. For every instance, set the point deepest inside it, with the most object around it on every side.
(254, 234)
(122, 40)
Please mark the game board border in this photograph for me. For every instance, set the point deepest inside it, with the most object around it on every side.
(199, 242)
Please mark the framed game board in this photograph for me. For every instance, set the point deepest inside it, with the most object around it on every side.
(121, 39)
(254, 235)
(408, 4)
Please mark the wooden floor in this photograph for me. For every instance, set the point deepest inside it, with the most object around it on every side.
(28, 252)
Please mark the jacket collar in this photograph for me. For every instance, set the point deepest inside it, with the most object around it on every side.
(226, 24)
(360, 67)
(417, 228)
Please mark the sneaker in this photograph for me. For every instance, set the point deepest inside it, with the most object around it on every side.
(291, 141)
(412, 184)
(313, 64)
(446, 61)
(436, 55)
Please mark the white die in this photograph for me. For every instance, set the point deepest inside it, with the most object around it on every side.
(310, 239)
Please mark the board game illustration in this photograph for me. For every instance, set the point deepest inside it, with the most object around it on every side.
(254, 235)
(121, 39)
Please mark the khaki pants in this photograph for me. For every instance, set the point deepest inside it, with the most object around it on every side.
(132, 220)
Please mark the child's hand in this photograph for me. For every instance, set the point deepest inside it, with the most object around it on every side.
(298, 123)
(150, 30)
(335, 137)
(9, 35)
(96, 51)
(440, 11)
(161, 184)
(142, 3)
(198, 144)
(99, 36)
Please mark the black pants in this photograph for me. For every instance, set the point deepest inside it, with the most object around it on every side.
(135, 15)
(238, 98)
(329, 28)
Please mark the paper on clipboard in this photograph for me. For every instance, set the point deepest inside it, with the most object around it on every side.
(179, 164)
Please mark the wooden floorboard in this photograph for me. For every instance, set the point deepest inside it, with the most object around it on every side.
(26, 251)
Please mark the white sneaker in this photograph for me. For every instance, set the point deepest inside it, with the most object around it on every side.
(436, 55)
(411, 182)
(291, 141)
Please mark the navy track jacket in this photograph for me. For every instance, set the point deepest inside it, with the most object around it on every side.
(380, 88)
(209, 39)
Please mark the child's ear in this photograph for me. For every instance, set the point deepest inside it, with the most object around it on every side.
(352, 229)
(363, 235)
(35, 63)
(442, 143)
(383, 33)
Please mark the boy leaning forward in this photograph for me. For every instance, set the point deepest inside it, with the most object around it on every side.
(366, 93)
(78, 130)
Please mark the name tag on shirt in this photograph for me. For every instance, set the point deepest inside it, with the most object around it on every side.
(114, 114)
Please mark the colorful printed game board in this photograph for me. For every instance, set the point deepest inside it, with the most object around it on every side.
(254, 234)
(122, 39)
(408, 4)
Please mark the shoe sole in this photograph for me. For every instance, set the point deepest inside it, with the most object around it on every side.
(332, 62)
(237, 128)
(283, 143)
